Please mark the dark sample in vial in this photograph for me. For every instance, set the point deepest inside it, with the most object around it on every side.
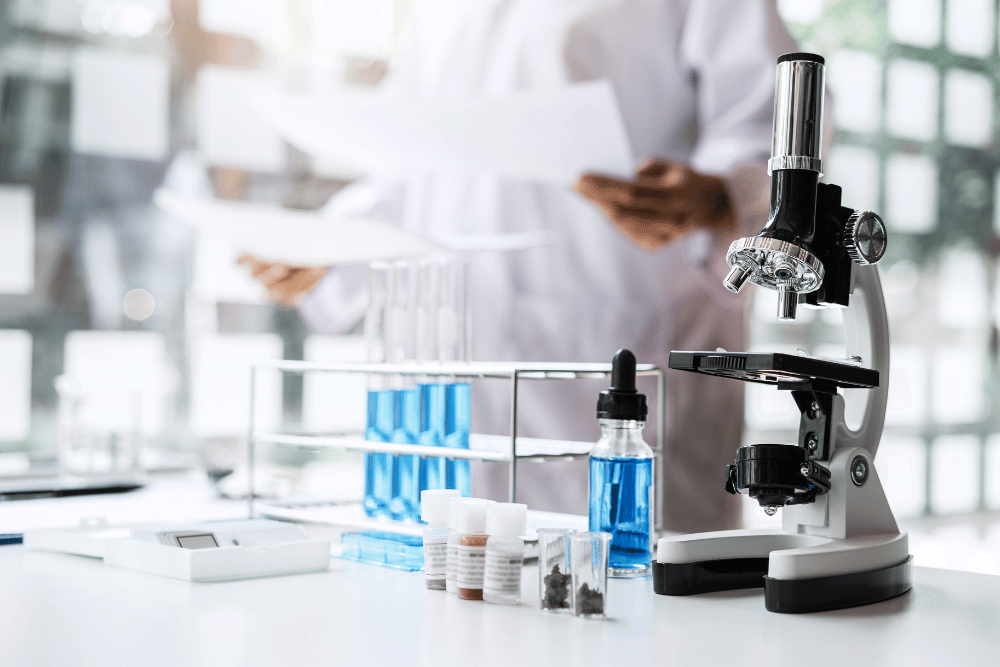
(556, 590)
(589, 601)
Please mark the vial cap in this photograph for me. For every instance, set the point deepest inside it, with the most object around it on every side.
(434, 504)
(471, 516)
(507, 519)
(622, 400)
(453, 511)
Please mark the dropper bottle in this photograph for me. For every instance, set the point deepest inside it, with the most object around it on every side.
(621, 473)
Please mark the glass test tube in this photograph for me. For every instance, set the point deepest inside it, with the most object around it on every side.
(405, 502)
(453, 345)
(589, 553)
(381, 398)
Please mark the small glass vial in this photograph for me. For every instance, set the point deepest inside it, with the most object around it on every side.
(554, 570)
(471, 550)
(451, 564)
(434, 511)
(590, 573)
(621, 474)
(505, 524)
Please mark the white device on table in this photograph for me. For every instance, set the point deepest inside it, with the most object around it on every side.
(839, 544)
(210, 551)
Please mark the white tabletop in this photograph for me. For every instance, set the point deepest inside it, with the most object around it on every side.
(60, 610)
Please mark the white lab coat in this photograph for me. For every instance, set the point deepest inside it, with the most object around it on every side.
(695, 82)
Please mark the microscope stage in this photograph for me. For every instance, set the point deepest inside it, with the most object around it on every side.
(775, 368)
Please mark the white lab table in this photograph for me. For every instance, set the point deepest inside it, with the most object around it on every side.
(61, 610)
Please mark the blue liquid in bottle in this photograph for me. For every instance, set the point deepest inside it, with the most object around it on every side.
(458, 422)
(432, 418)
(619, 504)
(378, 467)
(405, 503)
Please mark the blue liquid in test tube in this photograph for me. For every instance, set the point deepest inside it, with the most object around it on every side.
(432, 418)
(378, 467)
(405, 502)
(457, 426)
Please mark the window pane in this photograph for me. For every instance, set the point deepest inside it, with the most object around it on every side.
(970, 26)
(957, 388)
(962, 297)
(902, 468)
(907, 405)
(856, 170)
(916, 22)
(992, 490)
(856, 79)
(911, 193)
(120, 104)
(955, 474)
(17, 229)
(913, 100)
(800, 11)
(968, 108)
(15, 385)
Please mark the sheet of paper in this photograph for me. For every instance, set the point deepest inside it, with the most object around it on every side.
(15, 385)
(17, 239)
(334, 402)
(300, 238)
(227, 133)
(220, 383)
(551, 136)
(120, 104)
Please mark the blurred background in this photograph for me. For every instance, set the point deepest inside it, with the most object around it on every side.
(105, 301)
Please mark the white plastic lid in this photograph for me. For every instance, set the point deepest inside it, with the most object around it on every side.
(507, 519)
(434, 504)
(470, 516)
(453, 511)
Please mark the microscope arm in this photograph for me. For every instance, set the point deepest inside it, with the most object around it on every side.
(866, 329)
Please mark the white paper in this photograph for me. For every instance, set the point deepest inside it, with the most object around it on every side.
(220, 383)
(551, 136)
(17, 240)
(111, 366)
(120, 104)
(227, 131)
(15, 384)
(300, 238)
(334, 402)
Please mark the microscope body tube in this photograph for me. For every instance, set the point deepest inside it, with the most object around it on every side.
(797, 141)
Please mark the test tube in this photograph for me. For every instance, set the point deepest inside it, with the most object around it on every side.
(589, 553)
(405, 501)
(381, 398)
(555, 569)
(454, 345)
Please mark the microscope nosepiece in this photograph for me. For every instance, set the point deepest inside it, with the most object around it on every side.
(736, 278)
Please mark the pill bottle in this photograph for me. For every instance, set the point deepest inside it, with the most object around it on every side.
(434, 511)
(505, 525)
(451, 564)
(470, 559)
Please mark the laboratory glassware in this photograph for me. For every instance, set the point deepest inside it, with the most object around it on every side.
(621, 473)
(555, 568)
(434, 512)
(381, 397)
(589, 552)
(505, 524)
(98, 442)
(470, 562)
(451, 560)
(454, 344)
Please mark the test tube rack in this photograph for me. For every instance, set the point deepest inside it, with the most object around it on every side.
(510, 449)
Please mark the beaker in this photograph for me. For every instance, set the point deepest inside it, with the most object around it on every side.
(99, 426)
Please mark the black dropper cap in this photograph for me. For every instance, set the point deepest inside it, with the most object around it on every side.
(622, 401)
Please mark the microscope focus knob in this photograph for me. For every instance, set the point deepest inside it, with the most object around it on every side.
(865, 237)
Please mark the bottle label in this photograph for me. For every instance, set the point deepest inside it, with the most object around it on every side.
(435, 558)
(470, 563)
(503, 573)
(451, 563)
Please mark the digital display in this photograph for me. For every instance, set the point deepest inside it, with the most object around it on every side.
(197, 541)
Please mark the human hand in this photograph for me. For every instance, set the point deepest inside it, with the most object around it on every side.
(285, 284)
(664, 201)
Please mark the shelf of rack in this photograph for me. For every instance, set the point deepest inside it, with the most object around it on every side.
(508, 449)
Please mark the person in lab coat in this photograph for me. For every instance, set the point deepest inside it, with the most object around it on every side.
(633, 264)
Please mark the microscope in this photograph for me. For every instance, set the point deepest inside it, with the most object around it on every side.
(839, 545)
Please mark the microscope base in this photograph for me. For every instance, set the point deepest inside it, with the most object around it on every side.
(784, 596)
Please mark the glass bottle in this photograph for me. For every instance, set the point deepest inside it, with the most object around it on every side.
(621, 474)
(434, 511)
(471, 549)
(505, 524)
